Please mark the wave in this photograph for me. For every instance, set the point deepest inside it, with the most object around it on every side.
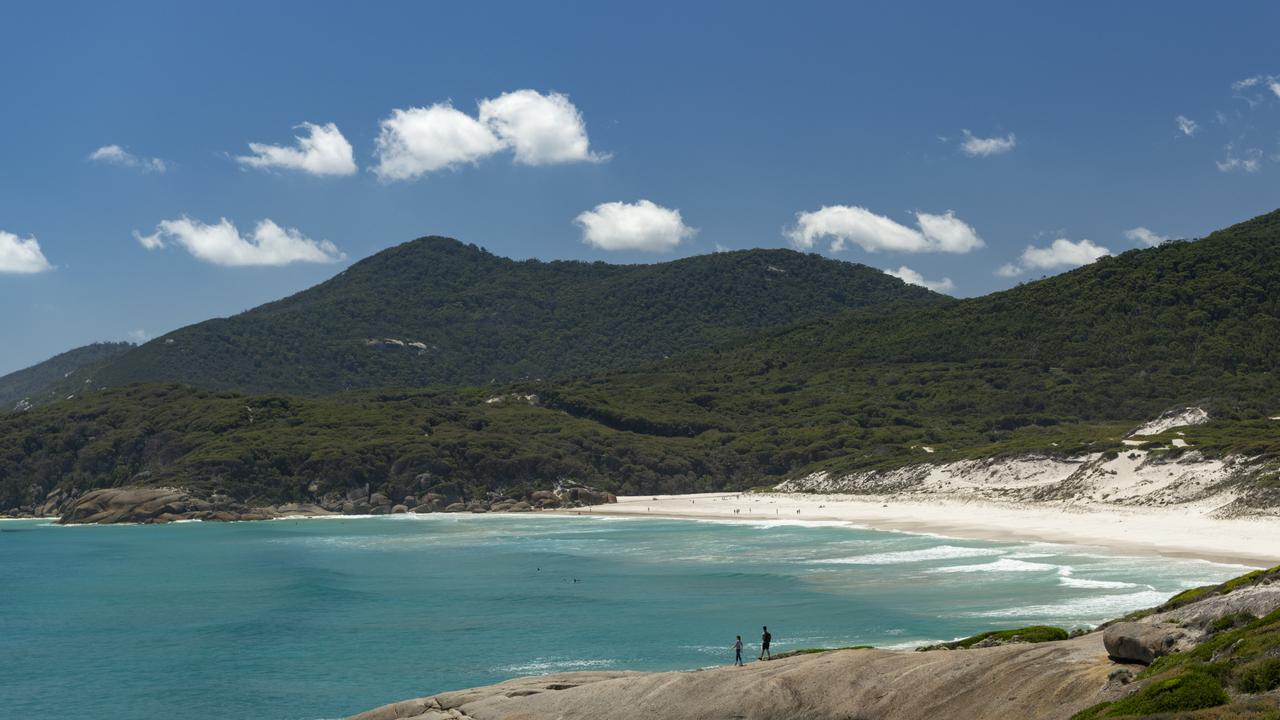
(941, 552)
(1001, 565)
(1110, 605)
(542, 665)
(1066, 580)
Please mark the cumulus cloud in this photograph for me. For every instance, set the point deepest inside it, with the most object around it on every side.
(116, 155)
(539, 129)
(1186, 125)
(222, 244)
(845, 224)
(642, 225)
(911, 277)
(322, 151)
(1249, 161)
(1145, 236)
(974, 146)
(21, 256)
(139, 335)
(1061, 253)
(418, 141)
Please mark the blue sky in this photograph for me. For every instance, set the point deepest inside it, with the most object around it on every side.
(761, 125)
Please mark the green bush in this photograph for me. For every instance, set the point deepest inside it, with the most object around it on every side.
(1259, 676)
(1191, 690)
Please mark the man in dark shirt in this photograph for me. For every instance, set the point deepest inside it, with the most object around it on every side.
(764, 644)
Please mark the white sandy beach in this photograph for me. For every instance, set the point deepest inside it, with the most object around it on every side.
(1177, 532)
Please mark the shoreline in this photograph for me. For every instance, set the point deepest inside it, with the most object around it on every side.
(1181, 532)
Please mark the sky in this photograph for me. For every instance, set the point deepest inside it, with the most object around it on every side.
(164, 163)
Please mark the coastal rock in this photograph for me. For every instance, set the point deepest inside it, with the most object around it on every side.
(1142, 642)
(379, 500)
(1046, 681)
(424, 508)
(456, 507)
(117, 505)
(398, 509)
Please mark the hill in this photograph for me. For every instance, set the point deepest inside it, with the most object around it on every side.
(437, 312)
(32, 385)
(1063, 366)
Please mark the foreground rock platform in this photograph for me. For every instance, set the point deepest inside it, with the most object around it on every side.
(1047, 680)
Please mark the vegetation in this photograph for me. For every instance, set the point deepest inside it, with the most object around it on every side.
(1031, 634)
(1065, 365)
(33, 384)
(436, 312)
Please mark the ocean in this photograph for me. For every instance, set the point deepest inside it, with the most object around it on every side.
(319, 618)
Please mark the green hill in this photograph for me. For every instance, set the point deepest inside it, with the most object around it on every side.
(1062, 365)
(33, 385)
(437, 312)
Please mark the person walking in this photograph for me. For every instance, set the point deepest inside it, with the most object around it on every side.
(765, 639)
(737, 651)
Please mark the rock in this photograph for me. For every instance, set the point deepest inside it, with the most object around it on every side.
(398, 509)
(424, 508)
(378, 500)
(521, 506)
(116, 505)
(409, 500)
(358, 493)
(456, 507)
(502, 506)
(1141, 642)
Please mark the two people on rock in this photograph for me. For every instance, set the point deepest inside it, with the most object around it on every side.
(765, 639)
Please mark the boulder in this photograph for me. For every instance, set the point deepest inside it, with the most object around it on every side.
(424, 508)
(379, 500)
(358, 493)
(521, 506)
(398, 509)
(116, 505)
(456, 507)
(1142, 642)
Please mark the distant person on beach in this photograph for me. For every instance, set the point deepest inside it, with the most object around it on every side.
(737, 651)
(765, 638)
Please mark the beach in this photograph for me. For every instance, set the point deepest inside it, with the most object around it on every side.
(1181, 531)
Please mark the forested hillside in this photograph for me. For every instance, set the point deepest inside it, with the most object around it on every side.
(436, 312)
(34, 384)
(1063, 365)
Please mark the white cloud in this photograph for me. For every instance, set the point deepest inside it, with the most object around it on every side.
(846, 224)
(541, 129)
(21, 256)
(116, 155)
(139, 336)
(1274, 87)
(323, 151)
(633, 226)
(1187, 125)
(1249, 161)
(1246, 83)
(222, 244)
(1145, 236)
(911, 277)
(418, 141)
(974, 146)
(1061, 253)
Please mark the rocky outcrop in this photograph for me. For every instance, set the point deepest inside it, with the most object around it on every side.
(1049, 680)
(159, 505)
(1138, 642)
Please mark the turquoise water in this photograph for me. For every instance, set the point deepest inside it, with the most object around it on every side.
(306, 619)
